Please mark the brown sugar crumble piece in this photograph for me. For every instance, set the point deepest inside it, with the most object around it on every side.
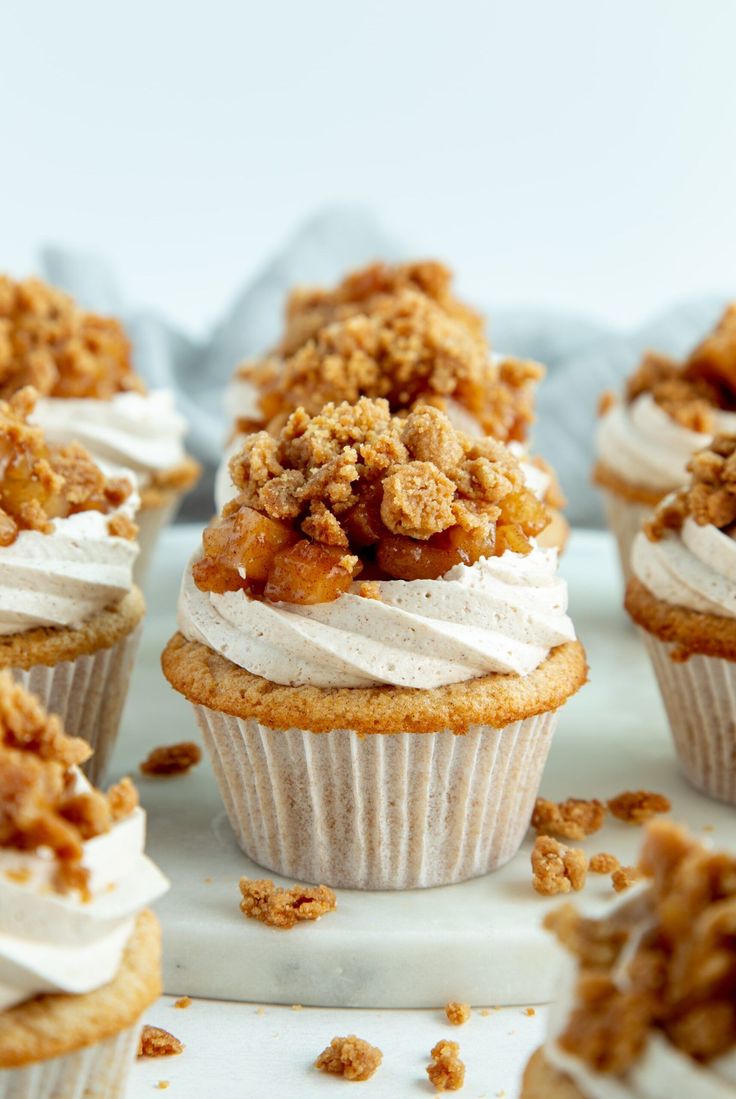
(709, 498)
(40, 483)
(603, 863)
(623, 877)
(530, 1011)
(557, 868)
(172, 759)
(457, 1013)
(447, 1071)
(39, 805)
(638, 806)
(49, 342)
(156, 1042)
(572, 819)
(354, 488)
(351, 1057)
(283, 908)
(183, 1002)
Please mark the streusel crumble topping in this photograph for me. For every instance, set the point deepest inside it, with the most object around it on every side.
(351, 1057)
(353, 491)
(39, 808)
(49, 342)
(709, 498)
(40, 483)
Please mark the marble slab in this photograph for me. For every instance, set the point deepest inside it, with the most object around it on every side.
(479, 941)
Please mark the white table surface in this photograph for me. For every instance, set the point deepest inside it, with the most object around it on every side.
(238, 1050)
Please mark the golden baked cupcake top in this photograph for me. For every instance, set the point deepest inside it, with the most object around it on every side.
(397, 334)
(356, 491)
(51, 343)
(41, 806)
(40, 483)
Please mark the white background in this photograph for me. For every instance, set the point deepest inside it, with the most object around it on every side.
(573, 153)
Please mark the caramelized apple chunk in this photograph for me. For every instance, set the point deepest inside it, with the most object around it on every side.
(409, 559)
(308, 573)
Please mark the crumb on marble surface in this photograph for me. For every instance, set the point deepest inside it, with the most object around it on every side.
(350, 1057)
(457, 1013)
(638, 806)
(172, 759)
(557, 868)
(157, 1042)
(572, 819)
(603, 863)
(446, 1071)
(283, 908)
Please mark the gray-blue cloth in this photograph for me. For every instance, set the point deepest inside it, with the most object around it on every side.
(583, 357)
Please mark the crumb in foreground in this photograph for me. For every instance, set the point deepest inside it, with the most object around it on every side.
(282, 908)
(172, 759)
(157, 1042)
(572, 819)
(457, 1013)
(557, 868)
(351, 1057)
(447, 1071)
(624, 877)
(638, 806)
(183, 1001)
(603, 863)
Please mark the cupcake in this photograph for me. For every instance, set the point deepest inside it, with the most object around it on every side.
(70, 614)
(80, 953)
(670, 410)
(81, 366)
(396, 333)
(646, 1004)
(376, 649)
(682, 595)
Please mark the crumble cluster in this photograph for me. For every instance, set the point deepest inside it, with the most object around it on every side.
(557, 868)
(38, 805)
(282, 908)
(681, 976)
(709, 498)
(351, 1057)
(40, 483)
(157, 1042)
(446, 1071)
(638, 806)
(399, 343)
(354, 486)
(572, 819)
(309, 309)
(172, 759)
(689, 391)
(48, 342)
(457, 1013)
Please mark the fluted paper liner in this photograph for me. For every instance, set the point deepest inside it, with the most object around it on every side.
(99, 1071)
(699, 695)
(624, 519)
(386, 811)
(151, 522)
(88, 695)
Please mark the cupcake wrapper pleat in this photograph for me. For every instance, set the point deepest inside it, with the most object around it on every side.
(95, 1072)
(624, 519)
(397, 811)
(700, 698)
(151, 522)
(88, 694)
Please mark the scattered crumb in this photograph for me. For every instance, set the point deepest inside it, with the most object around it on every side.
(529, 1011)
(297, 1007)
(457, 1013)
(156, 1042)
(603, 863)
(370, 589)
(557, 868)
(606, 401)
(162, 1085)
(572, 819)
(351, 1057)
(638, 806)
(484, 1012)
(208, 881)
(172, 759)
(624, 877)
(447, 1071)
(263, 901)
(260, 1011)
(183, 1001)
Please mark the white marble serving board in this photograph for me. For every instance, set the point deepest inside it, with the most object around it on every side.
(479, 941)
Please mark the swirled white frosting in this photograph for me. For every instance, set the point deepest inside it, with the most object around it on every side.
(53, 942)
(693, 568)
(661, 1072)
(502, 614)
(643, 445)
(138, 432)
(65, 577)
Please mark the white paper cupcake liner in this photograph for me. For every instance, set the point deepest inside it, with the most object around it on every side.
(95, 1072)
(700, 698)
(397, 811)
(151, 521)
(624, 519)
(88, 694)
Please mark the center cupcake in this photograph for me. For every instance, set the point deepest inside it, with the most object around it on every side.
(373, 591)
